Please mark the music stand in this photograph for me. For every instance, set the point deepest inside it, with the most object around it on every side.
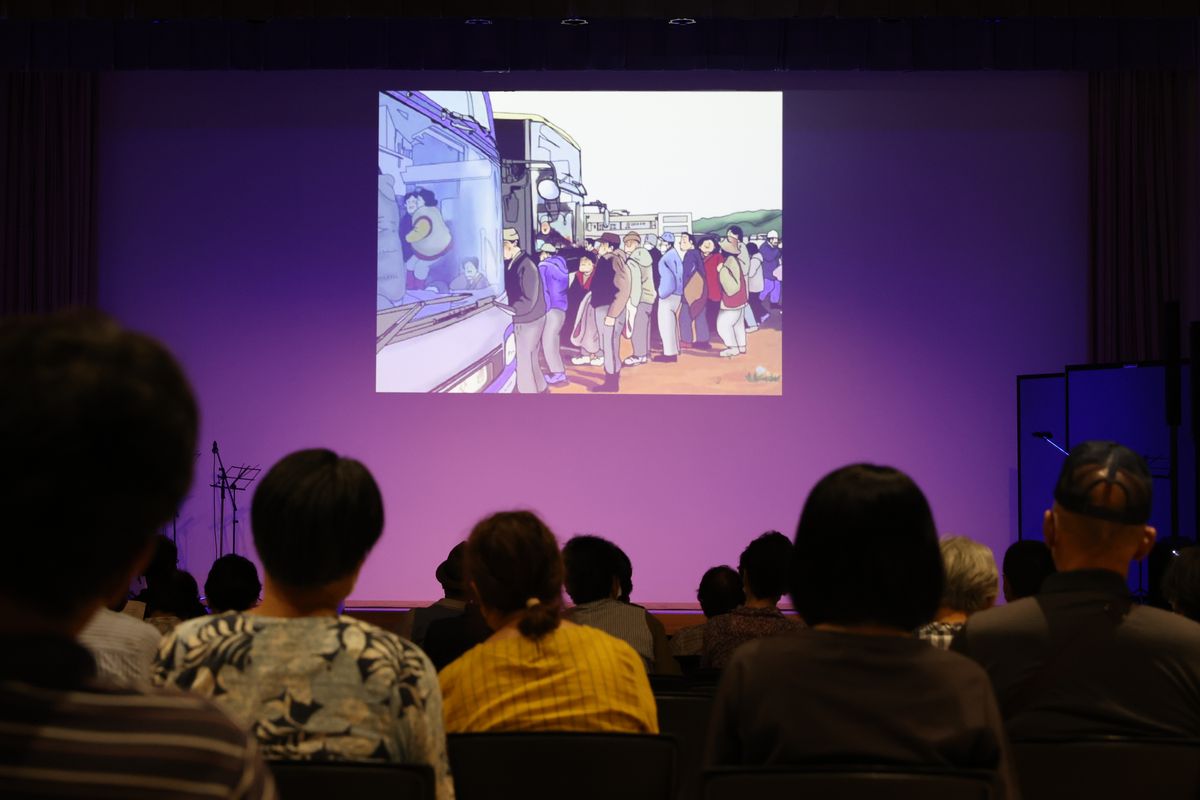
(231, 481)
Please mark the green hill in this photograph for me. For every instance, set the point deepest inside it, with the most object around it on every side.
(752, 222)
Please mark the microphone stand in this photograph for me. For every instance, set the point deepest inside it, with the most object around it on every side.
(222, 484)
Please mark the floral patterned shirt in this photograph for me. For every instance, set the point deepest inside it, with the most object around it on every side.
(314, 688)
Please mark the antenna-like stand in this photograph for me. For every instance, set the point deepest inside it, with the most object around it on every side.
(228, 482)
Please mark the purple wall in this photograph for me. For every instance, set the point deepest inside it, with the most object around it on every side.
(937, 226)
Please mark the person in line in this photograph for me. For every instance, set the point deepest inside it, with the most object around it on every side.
(1081, 658)
(857, 686)
(670, 297)
(645, 296)
(308, 681)
(713, 258)
(720, 592)
(1026, 564)
(449, 574)
(555, 278)
(1181, 583)
(764, 569)
(74, 383)
(232, 584)
(772, 273)
(584, 333)
(527, 305)
(611, 288)
(754, 312)
(972, 583)
(694, 332)
(731, 320)
(593, 583)
(586, 680)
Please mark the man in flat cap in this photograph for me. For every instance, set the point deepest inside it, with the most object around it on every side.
(1080, 658)
(527, 304)
(610, 293)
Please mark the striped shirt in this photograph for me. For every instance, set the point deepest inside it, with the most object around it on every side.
(574, 678)
(123, 646)
(66, 733)
(689, 641)
(622, 620)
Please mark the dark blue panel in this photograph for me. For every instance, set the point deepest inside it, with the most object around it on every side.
(1041, 406)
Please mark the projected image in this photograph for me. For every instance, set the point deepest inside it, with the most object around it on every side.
(573, 242)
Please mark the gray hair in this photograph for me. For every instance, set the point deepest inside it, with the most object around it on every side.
(972, 580)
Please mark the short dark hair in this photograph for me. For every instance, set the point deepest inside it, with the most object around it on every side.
(764, 565)
(720, 591)
(315, 517)
(98, 426)
(752, 249)
(591, 565)
(1181, 583)
(513, 561)
(428, 197)
(736, 230)
(867, 551)
(1026, 565)
(471, 260)
(232, 584)
(165, 560)
(181, 597)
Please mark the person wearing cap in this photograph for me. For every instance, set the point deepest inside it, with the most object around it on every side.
(527, 304)
(772, 266)
(1081, 658)
(670, 296)
(555, 277)
(642, 297)
(450, 575)
(611, 287)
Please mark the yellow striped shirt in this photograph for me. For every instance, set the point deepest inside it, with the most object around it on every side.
(575, 678)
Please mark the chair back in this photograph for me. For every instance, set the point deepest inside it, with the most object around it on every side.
(685, 716)
(851, 782)
(1108, 767)
(554, 766)
(322, 780)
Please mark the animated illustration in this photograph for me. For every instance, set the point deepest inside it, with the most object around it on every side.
(499, 270)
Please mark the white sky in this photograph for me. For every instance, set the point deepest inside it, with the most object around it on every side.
(710, 153)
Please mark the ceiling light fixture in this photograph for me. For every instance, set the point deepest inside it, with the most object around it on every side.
(478, 21)
(681, 21)
(575, 22)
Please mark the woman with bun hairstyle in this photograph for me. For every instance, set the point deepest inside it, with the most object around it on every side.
(537, 671)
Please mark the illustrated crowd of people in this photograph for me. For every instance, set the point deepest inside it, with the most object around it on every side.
(669, 292)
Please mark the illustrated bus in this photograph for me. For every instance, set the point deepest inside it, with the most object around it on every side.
(440, 269)
(540, 178)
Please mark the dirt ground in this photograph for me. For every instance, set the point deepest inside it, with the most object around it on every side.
(696, 372)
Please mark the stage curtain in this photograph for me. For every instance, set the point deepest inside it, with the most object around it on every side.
(47, 191)
(1142, 165)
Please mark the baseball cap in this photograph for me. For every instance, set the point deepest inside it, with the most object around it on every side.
(510, 235)
(1105, 480)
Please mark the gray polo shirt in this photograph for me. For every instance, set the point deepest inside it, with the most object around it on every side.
(1080, 659)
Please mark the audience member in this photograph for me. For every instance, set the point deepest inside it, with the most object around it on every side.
(84, 405)
(232, 584)
(1080, 658)
(663, 663)
(450, 575)
(972, 583)
(175, 602)
(123, 645)
(1026, 565)
(858, 686)
(158, 573)
(448, 638)
(1181, 583)
(764, 570)
(593, 582)
(720, 592)
(584, 679)
(313, 684)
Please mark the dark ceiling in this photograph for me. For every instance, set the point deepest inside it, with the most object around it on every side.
(504, 35)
